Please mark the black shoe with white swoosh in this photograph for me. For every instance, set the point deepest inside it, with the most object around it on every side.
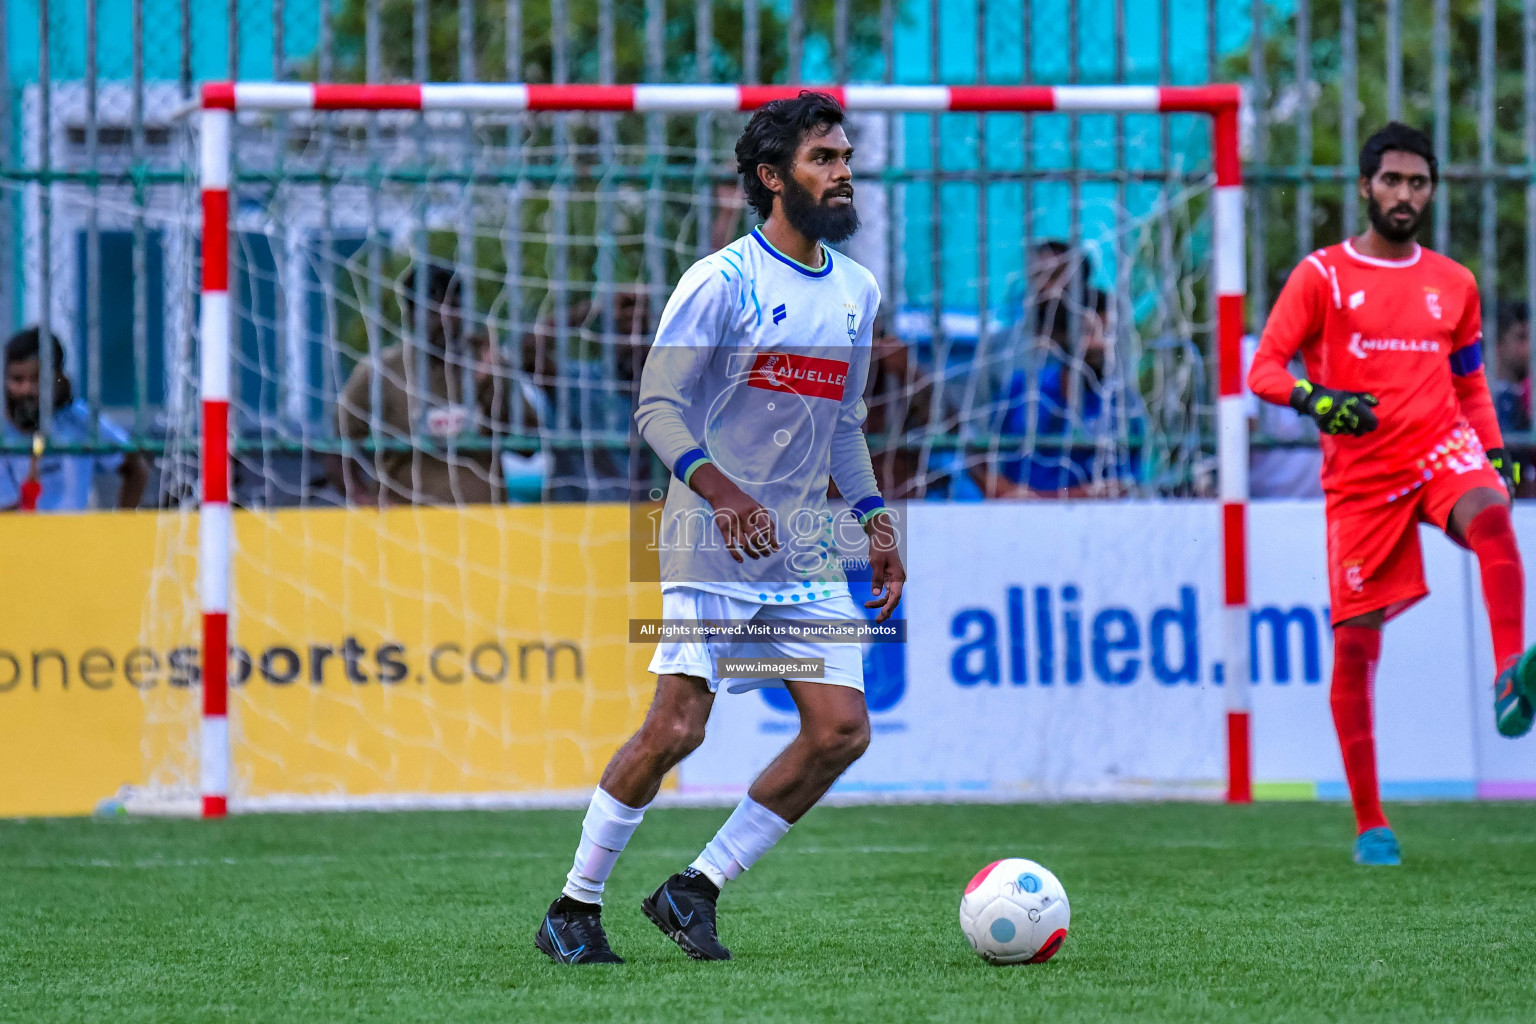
(684, 909)
(572, 933)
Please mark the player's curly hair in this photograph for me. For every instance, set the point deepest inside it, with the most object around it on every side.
(28, 344)
(772, 136)
(442, 279)
(1403, 139)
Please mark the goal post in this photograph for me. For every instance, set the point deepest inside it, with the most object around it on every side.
(221, 102)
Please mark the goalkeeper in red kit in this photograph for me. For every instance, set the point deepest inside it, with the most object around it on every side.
(1391, 337)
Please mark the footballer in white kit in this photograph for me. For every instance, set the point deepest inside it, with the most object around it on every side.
(752, 394)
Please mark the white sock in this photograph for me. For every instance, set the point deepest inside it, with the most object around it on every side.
(747, 834)
(606, 828)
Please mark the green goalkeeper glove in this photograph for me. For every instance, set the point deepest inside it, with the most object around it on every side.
(1508, 467)
(1336, 412)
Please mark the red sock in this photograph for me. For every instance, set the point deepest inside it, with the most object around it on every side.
(1355, 650)
(1491, 537)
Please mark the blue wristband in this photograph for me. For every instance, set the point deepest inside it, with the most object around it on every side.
(869, 508)
(690, 461)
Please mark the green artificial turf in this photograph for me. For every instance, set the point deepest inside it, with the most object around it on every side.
(1180, 913)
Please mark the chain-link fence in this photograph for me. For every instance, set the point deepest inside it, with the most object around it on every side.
(965, 217)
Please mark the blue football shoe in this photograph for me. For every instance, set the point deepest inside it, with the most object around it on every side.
(1377, 847)
(1514, 696)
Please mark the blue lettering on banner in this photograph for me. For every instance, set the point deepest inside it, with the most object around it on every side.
(1017, 668)
(974, 661)
(1072, 626)
(1185, 619)
(1043, 639)
(992, 642)
(1279, 623)
(1126, 641)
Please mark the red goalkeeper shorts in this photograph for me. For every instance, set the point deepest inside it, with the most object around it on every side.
(1374, 560)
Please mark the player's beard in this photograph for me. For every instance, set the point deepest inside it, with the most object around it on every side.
(816, 219)
(1388, 230)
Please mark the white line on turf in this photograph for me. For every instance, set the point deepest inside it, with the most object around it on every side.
(302, 859)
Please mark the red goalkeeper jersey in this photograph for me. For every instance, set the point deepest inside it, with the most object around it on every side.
(1407, 331)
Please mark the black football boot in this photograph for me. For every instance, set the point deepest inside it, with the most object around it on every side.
(572, 933)
(684, 909)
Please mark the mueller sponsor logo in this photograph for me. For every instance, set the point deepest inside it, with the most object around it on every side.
(1361, 346)
(802, 375)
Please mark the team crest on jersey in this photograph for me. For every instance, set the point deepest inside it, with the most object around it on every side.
(1354, 576)
(853, 320)
(1432, 301)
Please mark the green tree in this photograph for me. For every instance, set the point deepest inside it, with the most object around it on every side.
(1288, 100)
(648, 190)
(581, 28)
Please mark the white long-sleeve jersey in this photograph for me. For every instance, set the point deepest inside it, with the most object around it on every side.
(759, 366)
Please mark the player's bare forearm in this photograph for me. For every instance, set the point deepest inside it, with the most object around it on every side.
(135, 474)
(887, 576)
(742, 521)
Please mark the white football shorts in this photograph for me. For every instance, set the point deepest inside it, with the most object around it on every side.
(844, 661)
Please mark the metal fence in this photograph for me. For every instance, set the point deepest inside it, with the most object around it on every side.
(94, 163)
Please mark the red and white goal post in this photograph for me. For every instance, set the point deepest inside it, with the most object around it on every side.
(222, 101)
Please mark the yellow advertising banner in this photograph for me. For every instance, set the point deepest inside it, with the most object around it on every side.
(71, 664)
(376, 655)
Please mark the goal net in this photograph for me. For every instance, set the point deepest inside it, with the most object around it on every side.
(424, 311)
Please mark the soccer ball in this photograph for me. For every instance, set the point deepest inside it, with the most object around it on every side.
(1015, 912)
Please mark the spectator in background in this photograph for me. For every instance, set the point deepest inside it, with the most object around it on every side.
(589, 384)
(1510, 384)
(1057, 278)
(899, 399)
(457, 391)
(66, 480)
(1053, 394)
(726, 225)
(508, 396)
